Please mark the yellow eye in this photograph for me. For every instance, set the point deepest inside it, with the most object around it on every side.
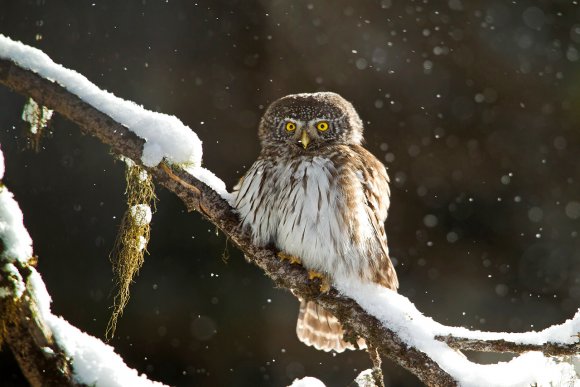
(290, 126)
(322, 126)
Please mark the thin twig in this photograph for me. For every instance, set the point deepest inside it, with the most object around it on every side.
(377, 370)
(549, 349)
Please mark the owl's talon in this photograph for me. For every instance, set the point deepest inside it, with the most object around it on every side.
(290, 258)
(324, 282)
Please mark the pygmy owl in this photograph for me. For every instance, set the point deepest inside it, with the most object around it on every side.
(316, 194)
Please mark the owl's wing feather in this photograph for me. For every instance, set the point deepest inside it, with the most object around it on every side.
(375, 183)
(321, 329)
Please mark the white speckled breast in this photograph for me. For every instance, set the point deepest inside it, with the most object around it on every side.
(298, 205)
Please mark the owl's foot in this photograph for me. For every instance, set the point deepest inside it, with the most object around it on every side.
(324, 282)
(290, 258)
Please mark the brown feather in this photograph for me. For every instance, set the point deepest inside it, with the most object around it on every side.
(320, 329)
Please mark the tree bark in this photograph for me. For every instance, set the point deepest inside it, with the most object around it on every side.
(549, 349)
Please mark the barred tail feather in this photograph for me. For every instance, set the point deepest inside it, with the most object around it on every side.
(320, 329)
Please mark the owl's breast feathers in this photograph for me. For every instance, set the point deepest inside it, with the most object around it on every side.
(328, 209)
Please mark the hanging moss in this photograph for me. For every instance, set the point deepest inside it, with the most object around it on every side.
(131, 245)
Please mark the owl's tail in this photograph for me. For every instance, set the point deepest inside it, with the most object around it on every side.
(320, 329)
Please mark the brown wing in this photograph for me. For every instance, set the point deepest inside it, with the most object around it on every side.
(320, 329)
(375, 182)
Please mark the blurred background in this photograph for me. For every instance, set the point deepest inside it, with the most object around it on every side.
(473, 106)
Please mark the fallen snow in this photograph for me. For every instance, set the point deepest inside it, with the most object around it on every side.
(166, 136)
(400, 315)
(365, 379)
(307, 381)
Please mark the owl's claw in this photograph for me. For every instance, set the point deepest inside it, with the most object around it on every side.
(290, 258)
(324, 282)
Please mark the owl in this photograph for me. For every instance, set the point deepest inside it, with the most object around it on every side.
(320, 198)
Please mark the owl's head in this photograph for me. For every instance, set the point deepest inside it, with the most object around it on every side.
(309, 121)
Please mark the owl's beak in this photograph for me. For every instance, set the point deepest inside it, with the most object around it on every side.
(305, 139)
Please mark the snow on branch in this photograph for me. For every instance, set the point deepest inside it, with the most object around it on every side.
(49, 350)
(398, 313)
(166, 136)
(388, 321)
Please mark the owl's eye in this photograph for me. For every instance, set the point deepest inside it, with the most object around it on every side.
(322, 126)
(290, 126)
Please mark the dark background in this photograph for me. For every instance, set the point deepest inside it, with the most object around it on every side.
(472, 105)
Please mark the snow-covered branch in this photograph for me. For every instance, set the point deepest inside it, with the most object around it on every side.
(502, 345)
(49, 350)
(388, 321)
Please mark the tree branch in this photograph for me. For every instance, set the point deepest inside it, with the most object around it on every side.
(199, 197)
(41, 360)
(549, 349)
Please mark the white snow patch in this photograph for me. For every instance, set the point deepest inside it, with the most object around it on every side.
(400, 315)
(211, 180)
(143, 175)
(37, 289)
(1, 164)
(16, 240)
(307, 381)
(365, 379)
(141, 214)
(94, 362)
(37, 116)
(166, 136)
(565, 333)
(142, 243)
(16, 279)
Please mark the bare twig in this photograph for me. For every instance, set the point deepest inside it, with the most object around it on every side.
(377, 371)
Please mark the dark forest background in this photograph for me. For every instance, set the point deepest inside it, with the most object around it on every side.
(472, 105)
